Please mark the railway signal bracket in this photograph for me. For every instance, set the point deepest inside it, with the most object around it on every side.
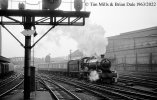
(30, 18)
(43, 17)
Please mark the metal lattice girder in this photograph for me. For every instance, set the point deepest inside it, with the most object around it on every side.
(43, 17)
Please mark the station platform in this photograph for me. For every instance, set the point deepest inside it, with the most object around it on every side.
(37, 95)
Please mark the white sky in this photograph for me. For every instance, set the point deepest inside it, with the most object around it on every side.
(114, 20)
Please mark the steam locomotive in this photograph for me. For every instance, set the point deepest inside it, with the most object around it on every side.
(91, 68)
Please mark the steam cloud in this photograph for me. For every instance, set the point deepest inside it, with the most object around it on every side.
(93, 76)
(90, 38)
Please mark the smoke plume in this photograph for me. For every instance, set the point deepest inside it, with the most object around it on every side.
(93, 76)
(90, 38)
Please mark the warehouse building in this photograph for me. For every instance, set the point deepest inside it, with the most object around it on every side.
(134, 51)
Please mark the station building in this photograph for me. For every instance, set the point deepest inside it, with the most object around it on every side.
(134, 51)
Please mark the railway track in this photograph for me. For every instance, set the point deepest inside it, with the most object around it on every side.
(111, 92)
(58, 92)
(132, 92)
(147, 92)
(130, 89)
(8, 79)
(10, 85)
(138, 73)
(140, 80)
(142, 75)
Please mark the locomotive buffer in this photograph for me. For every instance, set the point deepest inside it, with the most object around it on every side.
(31, 18)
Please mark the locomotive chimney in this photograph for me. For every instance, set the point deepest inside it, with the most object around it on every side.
(102, 56)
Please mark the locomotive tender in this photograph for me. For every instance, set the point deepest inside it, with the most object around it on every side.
(82, 68)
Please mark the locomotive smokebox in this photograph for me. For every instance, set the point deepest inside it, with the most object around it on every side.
(102, 56)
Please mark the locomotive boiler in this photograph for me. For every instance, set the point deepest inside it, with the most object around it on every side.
(101, 66)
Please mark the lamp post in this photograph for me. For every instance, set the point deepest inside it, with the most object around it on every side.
(70, 55)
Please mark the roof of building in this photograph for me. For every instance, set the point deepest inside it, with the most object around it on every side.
(77, 53)
(137, 33)
(4, 59)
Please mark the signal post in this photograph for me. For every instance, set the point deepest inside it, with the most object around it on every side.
(32, 18)
(27, 62)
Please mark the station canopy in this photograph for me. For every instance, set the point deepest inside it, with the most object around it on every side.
(4, 59)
